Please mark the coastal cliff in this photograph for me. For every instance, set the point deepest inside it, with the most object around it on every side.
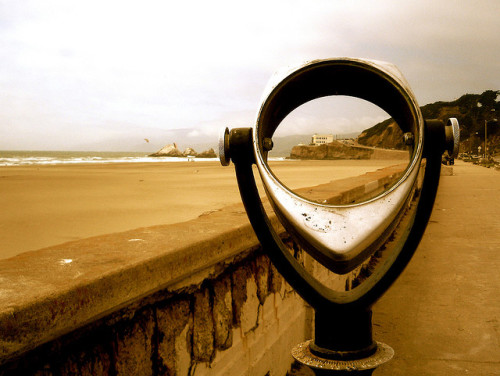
(333, 150)
(338, 150)
(385, 135)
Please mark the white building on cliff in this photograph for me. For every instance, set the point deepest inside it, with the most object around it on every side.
(320, 139)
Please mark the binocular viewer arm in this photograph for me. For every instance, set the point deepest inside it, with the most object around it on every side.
(343, 320)
(238, 148)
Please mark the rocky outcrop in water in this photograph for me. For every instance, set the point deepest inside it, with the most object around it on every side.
(171, 150)
(189, 152)
(210, 153)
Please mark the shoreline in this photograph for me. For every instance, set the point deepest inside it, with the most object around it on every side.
(45, 205)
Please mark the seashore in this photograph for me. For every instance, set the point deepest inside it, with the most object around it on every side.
(47, 205)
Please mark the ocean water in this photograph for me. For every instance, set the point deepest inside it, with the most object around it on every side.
(38, 158)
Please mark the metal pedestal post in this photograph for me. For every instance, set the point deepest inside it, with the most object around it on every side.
(343, 344)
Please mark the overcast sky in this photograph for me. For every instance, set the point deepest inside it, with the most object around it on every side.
(100, 74)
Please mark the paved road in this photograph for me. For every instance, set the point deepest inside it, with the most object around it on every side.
(442, 316)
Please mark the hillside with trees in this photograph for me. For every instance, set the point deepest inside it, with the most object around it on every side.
(471, 110)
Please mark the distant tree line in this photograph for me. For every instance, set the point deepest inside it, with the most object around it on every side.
(471, 110)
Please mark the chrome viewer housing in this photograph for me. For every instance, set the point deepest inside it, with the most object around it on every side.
(339, 237)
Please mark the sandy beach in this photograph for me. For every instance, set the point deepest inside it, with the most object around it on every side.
(48, 205)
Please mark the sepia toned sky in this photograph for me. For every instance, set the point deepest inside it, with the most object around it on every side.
(104, 75)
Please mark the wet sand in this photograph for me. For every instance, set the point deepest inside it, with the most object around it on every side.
(48, 205)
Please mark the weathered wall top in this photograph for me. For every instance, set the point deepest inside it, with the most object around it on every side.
(49, 292)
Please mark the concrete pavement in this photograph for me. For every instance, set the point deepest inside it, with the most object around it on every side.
(442, 316)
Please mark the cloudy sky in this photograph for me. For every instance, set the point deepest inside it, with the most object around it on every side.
(104, 75)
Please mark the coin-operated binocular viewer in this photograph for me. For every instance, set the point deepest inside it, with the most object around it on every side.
(342, 237)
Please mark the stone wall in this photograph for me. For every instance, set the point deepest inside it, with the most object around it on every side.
(244, 321)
